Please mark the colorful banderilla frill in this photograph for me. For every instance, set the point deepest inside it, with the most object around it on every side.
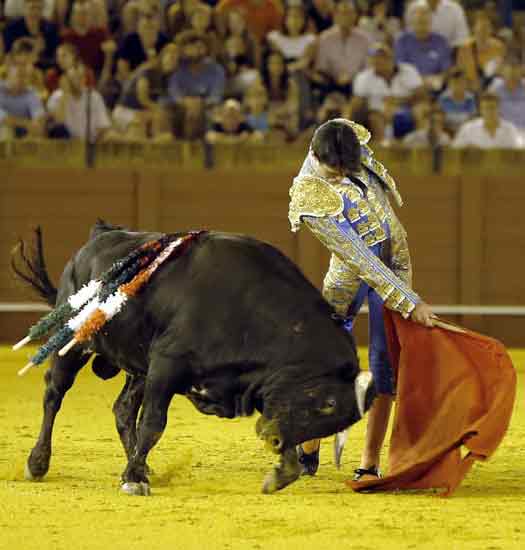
(87, 311)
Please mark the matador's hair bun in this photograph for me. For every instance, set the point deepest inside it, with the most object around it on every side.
(336, 144)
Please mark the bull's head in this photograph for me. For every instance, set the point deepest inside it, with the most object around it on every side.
(297, 409)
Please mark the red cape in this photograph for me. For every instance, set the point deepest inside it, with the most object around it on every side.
(453, 389)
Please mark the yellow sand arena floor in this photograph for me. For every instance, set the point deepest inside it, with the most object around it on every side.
(206, 494)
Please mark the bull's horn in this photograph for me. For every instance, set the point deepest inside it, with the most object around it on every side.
(361, 384)
(22, 343)
(26, 369)
(67, 347)
(339, 444)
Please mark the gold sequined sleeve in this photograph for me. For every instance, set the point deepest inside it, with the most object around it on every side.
(346, 244)
(312, 196)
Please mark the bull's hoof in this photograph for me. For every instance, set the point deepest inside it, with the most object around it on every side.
(133, 488)
(37, 464)
(28, 474)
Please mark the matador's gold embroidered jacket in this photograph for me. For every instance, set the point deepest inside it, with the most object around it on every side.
(358, 225)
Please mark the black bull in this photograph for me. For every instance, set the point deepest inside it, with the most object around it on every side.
(232, 324)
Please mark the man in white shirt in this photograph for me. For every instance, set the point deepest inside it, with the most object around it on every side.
(489, 131)
(448, 19)
(385, 79)
(73, 104)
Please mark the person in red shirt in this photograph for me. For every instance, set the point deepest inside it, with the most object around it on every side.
(88, 40)
(262, 16)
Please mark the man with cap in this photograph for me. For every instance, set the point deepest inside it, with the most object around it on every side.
(341, 195)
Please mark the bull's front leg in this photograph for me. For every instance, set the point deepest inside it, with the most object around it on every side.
(284, 473)
(59, 378)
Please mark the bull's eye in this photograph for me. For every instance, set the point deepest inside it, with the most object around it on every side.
(328, 406)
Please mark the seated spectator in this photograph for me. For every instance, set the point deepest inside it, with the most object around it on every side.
(493, 10)
(179, 15)
(516, 45)
(261, 16)
(489, 131)
(130, 13)
(289, 118)
(138, 47)
(146, 92)
(230, 126)
(511, 92)
(236, 26)
(332, 107)
(240, 73)
(379, 24)
(456, 102)
(275, 77)
(293, 41)
(431, 131)
(380, 125)
(88, 40)
(98, 12)
(342, 51)
(201, 21)
(482, 56)
(33, 25)
(385, 79)
(196, 85)
(428, 51)
(24, 53)
(15, 8)
(448, 20)
(256, 104)
(67, 57)
(21, 111)
(320, 15)
(73, 105)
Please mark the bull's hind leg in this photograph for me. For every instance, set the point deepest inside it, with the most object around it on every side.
(160, 387)
(126, 409)
(59, 378)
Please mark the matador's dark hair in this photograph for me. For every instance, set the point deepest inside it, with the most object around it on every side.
(336, 145)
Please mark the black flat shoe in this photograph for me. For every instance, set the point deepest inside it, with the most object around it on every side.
(309, 461)
(361, 472)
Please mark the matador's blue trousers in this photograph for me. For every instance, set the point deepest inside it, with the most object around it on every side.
(377, 347)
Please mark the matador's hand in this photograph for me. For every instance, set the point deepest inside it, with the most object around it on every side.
(423, 315)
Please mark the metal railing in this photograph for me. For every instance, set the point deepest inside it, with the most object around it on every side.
(444, 309)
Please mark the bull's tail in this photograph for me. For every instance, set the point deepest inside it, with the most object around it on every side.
(30, 267)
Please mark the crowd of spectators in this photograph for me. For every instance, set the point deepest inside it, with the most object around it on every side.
(418, 73)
